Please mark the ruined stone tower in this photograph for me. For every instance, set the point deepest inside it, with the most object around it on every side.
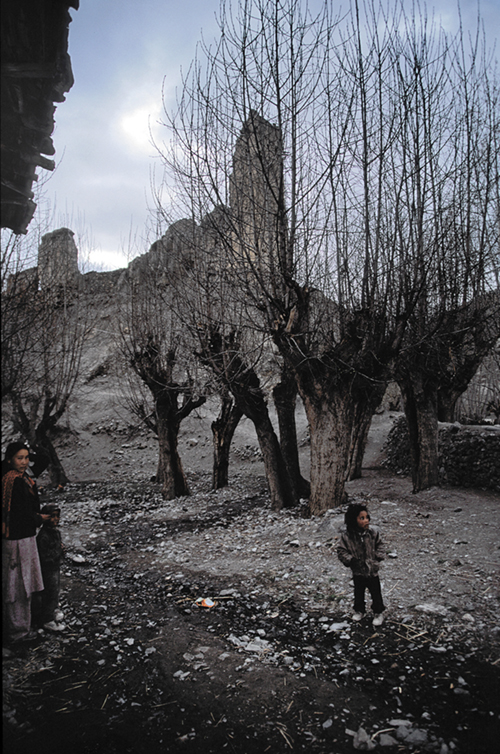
(58, 260)
(255, 192)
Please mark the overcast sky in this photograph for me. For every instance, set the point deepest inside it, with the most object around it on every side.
(123, 52)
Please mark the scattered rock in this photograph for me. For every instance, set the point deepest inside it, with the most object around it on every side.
(362, 741)
(431, 608)
(386, 740)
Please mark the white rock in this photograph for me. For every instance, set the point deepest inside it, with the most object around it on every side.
(76, 558)
(257, 645)
(182, 675)
(431, 607)
(338, 626)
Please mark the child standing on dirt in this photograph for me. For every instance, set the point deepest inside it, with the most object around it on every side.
(50, 551)
(361, 549)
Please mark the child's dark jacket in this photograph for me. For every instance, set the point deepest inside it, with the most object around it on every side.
(50, 550)
(361, 551)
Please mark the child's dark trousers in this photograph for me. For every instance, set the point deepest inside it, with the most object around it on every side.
(372, 583)
(49, 598)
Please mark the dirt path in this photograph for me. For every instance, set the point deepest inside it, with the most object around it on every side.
(276, 664)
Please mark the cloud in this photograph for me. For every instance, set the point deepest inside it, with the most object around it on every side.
(106, 259)
(139, 126)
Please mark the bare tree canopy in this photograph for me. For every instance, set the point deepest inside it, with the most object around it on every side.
(354, 160)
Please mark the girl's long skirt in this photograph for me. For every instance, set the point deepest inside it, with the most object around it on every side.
(21, 576)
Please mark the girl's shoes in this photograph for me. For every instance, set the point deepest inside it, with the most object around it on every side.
(357, 617)
(378, 620)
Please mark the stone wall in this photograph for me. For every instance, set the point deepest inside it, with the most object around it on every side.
(468, 456)
(168, 257)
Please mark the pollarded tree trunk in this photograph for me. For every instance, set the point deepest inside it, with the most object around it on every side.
(281, 491)
(57, 474)
(437, 370)
(420, 405)
(358, 443)
(170, 471)
(331, 428)
(38, 434)
(155, 368)
(43, 432)
(338, 392)
(361, 426)
(223, 429)
(222, 354)
(250, 399)
(285, 398)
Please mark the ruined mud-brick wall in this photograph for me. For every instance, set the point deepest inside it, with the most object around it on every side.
(468, 456)
(58, 263)
(107, 282)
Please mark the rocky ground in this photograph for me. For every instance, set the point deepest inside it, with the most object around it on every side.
(211, 624)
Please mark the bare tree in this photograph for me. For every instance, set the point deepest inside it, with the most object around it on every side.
(449, 140)
(46, 364)
(435, 371)
(223, 355)
(223, 429)
(153, 343)
(331, 144)
(19, 285)
(274, 60)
